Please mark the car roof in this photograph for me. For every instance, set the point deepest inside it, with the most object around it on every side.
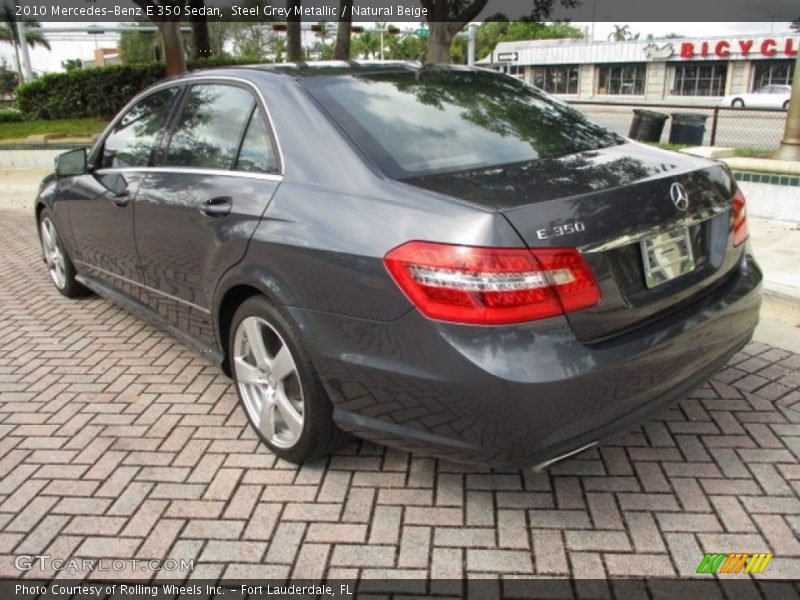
(302, 70)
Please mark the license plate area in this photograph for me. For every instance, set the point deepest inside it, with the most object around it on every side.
(667, 256)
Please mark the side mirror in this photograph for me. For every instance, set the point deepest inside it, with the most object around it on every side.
(72, 162)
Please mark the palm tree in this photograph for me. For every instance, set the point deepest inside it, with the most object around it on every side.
(342, 51)
(367, 44)
(277, 45)
(10, 34)
(620, 33)
(294, 35)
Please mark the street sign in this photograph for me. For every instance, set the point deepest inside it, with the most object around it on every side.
(424, 32)
(507, 56)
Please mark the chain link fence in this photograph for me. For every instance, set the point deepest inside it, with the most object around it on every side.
(755, 130)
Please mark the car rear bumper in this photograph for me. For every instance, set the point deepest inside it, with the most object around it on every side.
(524, 394)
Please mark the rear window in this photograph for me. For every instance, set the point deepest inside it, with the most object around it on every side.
(416, 123)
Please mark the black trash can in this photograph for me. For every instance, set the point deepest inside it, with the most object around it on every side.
(647, 125)
(688, 128)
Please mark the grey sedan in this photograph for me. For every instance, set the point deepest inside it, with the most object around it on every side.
(440, 259)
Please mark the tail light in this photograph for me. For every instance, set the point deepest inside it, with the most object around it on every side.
(491, 286)
(739, 219)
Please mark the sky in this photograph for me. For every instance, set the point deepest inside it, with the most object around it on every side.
(44, 61)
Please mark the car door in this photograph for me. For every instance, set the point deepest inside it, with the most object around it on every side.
(100, 202)
(777, 96)
(197, 209)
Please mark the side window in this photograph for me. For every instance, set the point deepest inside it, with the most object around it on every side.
(257, 153)
(209, 127)
(131, 141)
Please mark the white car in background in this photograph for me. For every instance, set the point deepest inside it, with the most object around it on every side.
(768, 96)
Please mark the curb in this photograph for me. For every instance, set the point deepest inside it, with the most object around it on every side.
(780, 299)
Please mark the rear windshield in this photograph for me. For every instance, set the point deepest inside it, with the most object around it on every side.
(414, 123)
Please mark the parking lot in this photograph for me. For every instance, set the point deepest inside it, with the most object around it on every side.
(117, 441)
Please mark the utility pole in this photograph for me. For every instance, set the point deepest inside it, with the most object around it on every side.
(790, 145)
(26, 58)
(471, 44)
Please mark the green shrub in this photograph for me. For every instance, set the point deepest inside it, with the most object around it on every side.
(10, 116)
(98, 92)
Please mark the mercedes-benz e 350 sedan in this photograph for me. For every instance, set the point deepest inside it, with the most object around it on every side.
(440, 259)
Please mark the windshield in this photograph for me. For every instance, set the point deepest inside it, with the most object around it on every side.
(414, 123)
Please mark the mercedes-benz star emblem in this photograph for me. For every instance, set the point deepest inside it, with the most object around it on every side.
(679, 195)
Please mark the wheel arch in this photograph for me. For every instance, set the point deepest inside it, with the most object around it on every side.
(232, 292)
(40, 206)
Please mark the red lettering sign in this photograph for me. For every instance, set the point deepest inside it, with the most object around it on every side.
(745, 46)
(767, 47)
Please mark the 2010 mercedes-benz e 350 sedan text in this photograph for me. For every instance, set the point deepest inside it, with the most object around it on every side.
(440, 259)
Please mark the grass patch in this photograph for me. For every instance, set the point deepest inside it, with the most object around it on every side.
(754, 152)
(667, 146)
(86, 127)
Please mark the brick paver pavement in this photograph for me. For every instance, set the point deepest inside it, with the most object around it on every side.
(118, 441)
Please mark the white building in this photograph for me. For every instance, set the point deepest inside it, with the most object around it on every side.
(676, 71)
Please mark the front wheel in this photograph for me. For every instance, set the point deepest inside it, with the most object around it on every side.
(738, 103)
(786, 105)
(59, 265)
(278, 385)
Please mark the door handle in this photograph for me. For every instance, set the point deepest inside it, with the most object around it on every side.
(121, 198)
(217, 207)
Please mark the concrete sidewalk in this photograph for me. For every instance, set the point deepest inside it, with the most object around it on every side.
(775, 243)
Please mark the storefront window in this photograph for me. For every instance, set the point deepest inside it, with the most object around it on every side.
(510, 69)
(560, 79)
(773, 72)
(624, 80)
(699, 79)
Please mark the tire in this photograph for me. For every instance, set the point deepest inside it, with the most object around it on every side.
(786, 105)
(276, 383)
(737, 103)
(59, 264)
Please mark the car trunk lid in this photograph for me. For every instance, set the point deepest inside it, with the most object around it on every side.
(608, 203)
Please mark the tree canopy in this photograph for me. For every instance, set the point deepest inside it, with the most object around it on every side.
(490, 33)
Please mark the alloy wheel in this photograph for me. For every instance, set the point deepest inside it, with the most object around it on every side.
(268, 382)
(53, 254)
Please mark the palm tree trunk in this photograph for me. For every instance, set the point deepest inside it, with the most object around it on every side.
(201, 40)
(173, 46)
(342, 51)
(439, 43)
(790, 145)
(293, 33)
(17, 63)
